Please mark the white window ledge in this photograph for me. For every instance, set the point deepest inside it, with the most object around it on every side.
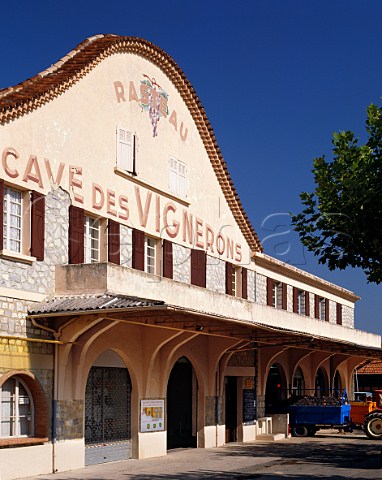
(16, 256)
(149, 186)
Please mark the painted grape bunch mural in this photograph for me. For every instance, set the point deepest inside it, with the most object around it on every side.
(154, 101)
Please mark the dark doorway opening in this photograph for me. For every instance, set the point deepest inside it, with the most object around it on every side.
(275, 391)
(181, 401)
(322, 384)
(230, 409)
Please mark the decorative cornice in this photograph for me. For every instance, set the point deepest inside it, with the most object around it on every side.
(294, 273)
(46, 86)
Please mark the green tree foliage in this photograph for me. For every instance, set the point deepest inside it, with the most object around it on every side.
(341, 221)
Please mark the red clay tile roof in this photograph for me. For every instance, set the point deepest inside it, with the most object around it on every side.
(42, 88)
(371, 368)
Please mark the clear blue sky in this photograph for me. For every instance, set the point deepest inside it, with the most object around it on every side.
(276, 78)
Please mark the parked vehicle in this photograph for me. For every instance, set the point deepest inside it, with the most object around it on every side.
(310, 414)
(373, 420)
(361, 406)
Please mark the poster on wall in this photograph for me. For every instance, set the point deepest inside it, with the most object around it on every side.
(152, 415)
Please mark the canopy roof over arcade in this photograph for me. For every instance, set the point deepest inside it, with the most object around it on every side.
(158, 314)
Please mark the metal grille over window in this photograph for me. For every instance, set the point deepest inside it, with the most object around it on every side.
(92, 240)
(12, 220)
(107, 405)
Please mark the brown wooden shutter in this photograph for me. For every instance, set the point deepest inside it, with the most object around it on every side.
(114, 242)
(198, 268)
(244, 283)
(37, 225)
(295, 300)
(1, 214)
(284, 296)
(138, 250)
(76, 234)
(316, 306)
(339, 314)
(228, 278)
(269, 292)
(307, 304)
(326, 310)
(167, 259)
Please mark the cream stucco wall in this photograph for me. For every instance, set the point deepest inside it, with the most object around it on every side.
(85, 144)
(25, 461)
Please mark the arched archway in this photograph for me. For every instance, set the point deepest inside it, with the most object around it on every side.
(107, 410)
(276, 388)
(181, 409)
(321, 383)
(337, 384)
(298, 384)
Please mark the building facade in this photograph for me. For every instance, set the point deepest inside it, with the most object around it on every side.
(138, 310)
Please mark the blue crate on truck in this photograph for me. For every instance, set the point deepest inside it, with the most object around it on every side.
(321, 415)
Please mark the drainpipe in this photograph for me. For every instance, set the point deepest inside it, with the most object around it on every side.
(217, 403)
(54, 412)
(55, 388)
(57, 335)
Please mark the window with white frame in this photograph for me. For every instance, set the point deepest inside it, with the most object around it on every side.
(277, 295)
(178, 177)
(322, 308)
(301, 309)
(16, 412)
(126, 150)
(91, 240)
(12, 220)
(150, 255)
(234, 281)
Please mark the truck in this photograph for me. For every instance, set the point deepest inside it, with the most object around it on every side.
(372, 424)
(361, 406)
(310, 414)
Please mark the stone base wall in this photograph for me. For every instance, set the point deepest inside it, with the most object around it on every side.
(70, 415)
(215, 280)
(347, 316)
(251, 285)
(126, 246)
(261, 289)
(181, 263)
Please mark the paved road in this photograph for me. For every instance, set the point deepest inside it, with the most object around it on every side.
(325, 456)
